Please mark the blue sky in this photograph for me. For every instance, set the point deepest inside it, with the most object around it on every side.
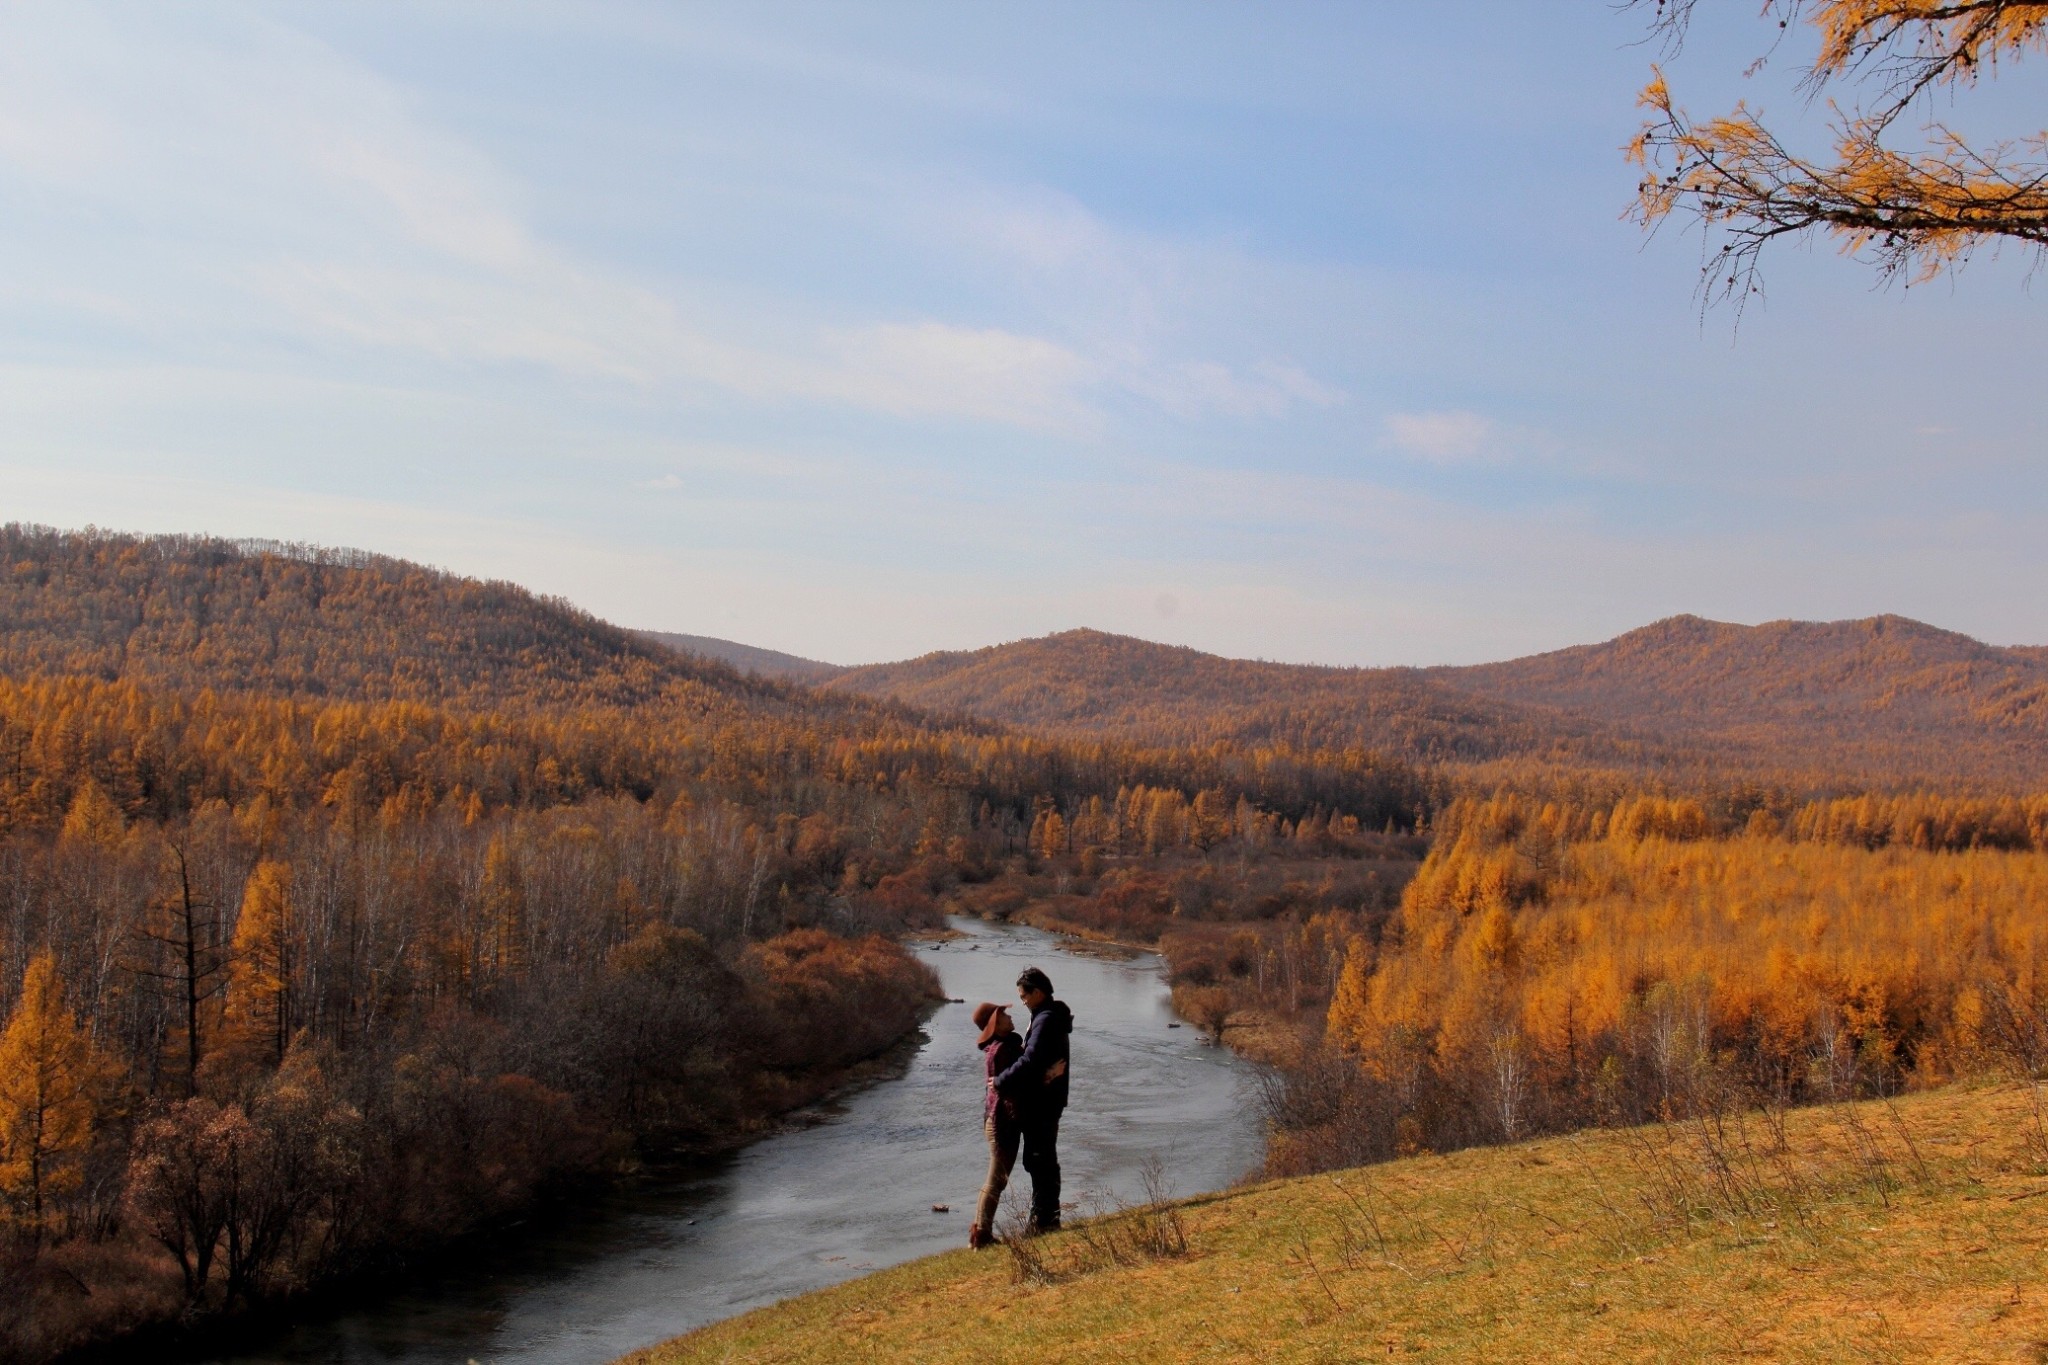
(1309, 332)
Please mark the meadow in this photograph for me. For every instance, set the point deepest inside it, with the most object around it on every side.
(1884, 1230)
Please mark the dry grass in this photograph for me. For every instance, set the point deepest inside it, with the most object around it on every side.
(81, 1293)
(1914, 1230)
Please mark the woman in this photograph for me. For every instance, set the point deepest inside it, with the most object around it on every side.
(1000, 1119)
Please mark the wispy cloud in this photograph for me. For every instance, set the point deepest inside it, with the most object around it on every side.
(1444, 437)
(334, 210)
(864, 325)
(936, 368)
(1183, 324)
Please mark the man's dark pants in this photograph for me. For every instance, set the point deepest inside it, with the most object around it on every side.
(1041, 1158)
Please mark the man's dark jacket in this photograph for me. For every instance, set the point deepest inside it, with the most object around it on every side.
(1045, 1042)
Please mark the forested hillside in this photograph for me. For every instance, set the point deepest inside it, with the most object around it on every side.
(1084, 682)
(769, 663)
(303, 621)
(1879, 695)
(1884, 701)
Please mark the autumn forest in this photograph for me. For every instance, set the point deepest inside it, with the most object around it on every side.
(347, 905)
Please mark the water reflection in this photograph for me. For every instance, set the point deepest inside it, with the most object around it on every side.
(822, 1203)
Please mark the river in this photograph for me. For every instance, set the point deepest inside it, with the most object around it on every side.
(846, 1193)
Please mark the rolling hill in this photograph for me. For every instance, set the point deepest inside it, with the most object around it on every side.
(1085, 682)
(1850, 679)
(184, 613)
(1879, 696)
(1877, 699)
(283, 630)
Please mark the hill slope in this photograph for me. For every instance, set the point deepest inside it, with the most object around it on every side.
(184, 613)
(1881, 698)
(1090, 683)
(1879, 679)
(1907, 1233)
(769, 663)
(273, 628)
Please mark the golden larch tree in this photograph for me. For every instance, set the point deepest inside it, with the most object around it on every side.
(1052, 835)
(93, 818)
(1913, 204)
(263, 977)
(50, 1082)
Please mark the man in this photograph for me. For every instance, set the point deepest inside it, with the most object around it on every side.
(1037, 1080)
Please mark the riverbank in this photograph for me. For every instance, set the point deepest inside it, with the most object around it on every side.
(554, 1211)
(273, 1196)
(1267, 1037)
(846, 1189)
(1254, 939)
(1905, 1230)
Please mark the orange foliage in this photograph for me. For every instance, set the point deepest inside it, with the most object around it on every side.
(1650, 949)
(1917, 212)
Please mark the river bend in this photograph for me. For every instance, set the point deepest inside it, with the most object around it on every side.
(848, 1193)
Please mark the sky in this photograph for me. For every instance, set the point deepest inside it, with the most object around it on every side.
(1298, 331)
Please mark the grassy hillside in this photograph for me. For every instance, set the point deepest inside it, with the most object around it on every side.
(1884, 699)
(1913, 1231)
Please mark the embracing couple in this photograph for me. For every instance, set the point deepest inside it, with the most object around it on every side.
(1025, 1094)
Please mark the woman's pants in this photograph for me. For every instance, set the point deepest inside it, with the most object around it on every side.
(1002, 1155)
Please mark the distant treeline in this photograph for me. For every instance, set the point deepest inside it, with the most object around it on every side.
(1932, 821)
(157, 755)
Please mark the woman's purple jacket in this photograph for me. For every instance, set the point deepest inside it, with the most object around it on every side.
(997, 1054)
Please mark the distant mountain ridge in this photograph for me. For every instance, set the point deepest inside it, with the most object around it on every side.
(1881, 693)
(1884, 697)
(1087, 682)
(1688, 669)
